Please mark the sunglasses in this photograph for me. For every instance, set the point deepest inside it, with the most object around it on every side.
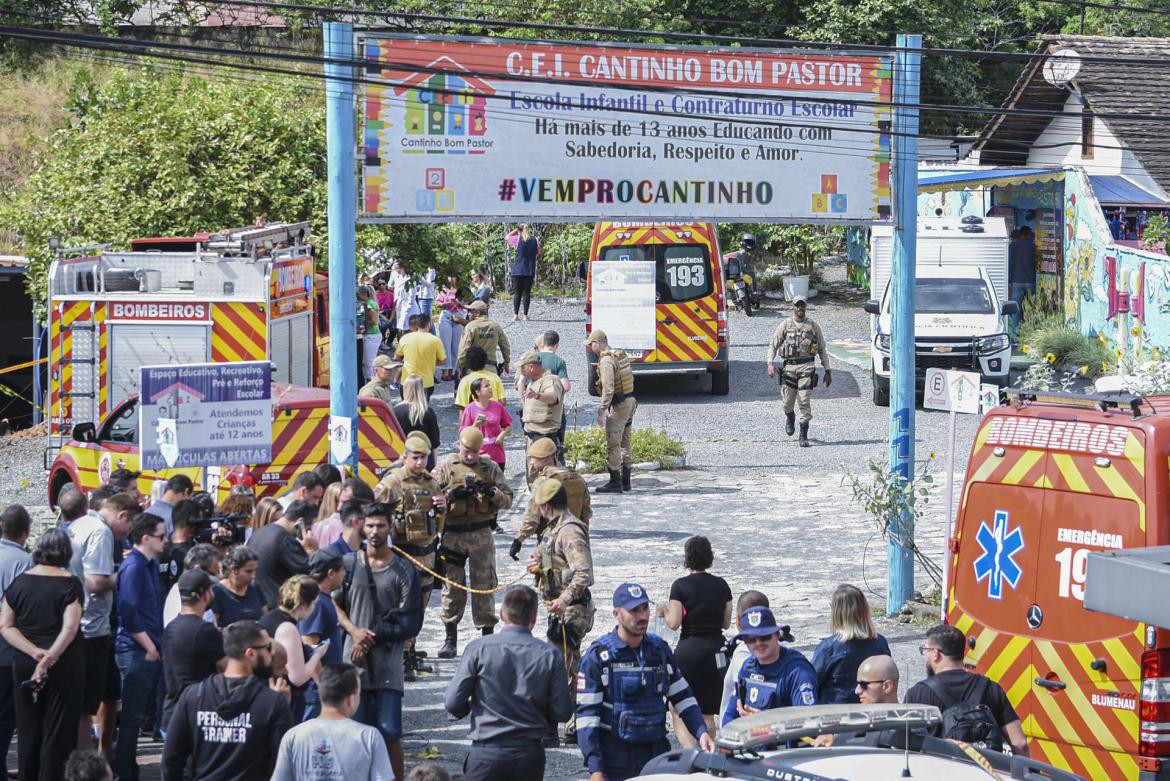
(755, 640)
(867, 684)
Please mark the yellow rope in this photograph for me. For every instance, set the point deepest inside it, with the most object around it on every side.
(19, 366)
(450, 582)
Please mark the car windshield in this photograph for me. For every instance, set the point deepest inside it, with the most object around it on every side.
(952, 296)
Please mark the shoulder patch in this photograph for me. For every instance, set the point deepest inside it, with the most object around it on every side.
(604, 655)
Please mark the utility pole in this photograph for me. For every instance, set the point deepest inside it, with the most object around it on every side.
(907, 86)
(342, 216)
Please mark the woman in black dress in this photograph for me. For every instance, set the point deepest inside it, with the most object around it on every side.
(700, 603)
(39, 618)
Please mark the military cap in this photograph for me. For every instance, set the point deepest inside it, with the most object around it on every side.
(477, 306)
(546, 490)
(542, 448)
(596, 335)
(418, 442)
(471, 438)
(630, 596)
(384, 361)
(532, 356)
(799, 300)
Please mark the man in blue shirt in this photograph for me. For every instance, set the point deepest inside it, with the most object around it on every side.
(327, 568)
(140, 631)
(14, 559)
(625, 679)
(774, 677)
(177, 489)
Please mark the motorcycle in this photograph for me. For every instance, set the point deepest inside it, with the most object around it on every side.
(743, 292)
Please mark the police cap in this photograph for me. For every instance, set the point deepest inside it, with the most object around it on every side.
(630, 596)
(757, 622)
(546, 490)
(542, 448)
(385, 361)
(471, 438)
(418, 442)
(477, 306)
(799, 300)
(596, 335)
(532, 356)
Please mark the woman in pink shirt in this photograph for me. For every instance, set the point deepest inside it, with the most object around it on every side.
(489, 416)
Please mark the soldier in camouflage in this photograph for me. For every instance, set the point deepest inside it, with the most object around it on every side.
(418, 519)
(483, 332)
(542, 466)
(381, 387)
(798, 342)
(615, 381)
(476, 491)
(563, 565)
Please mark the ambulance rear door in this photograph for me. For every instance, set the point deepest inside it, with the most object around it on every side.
(1087, 664)
(687, 304)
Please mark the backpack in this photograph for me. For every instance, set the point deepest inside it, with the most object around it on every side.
(970, 721)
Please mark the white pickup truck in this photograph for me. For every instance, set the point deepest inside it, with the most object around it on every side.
(960, 303)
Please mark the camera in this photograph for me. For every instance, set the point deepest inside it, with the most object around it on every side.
(220, 529)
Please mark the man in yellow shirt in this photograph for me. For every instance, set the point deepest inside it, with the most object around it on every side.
(420, 352)
(476, 361)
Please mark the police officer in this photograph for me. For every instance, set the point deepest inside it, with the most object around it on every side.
(615, 380)
(798, 342)
(625, 680)
(544, 407)
(381, 387)
(476, 491)
(773, 677)
(418, 519)
(487, 334)
(563, 565)
(542, 466)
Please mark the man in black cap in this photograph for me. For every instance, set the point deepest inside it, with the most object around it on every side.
(192, 648)
(327, 567)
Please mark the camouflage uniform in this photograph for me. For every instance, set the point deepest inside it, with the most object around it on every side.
(615, 381)
(490, 336)
(413, 497)
(566, 572)
(468, 533)
(798, 344)
(376, 389)
(575, 488)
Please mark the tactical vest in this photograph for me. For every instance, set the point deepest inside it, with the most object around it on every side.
(623, 375)
(798, 340)
(542, 417)
(414, 522)
(554, 567)
(636, 692)
(473, 508)
(575, 488)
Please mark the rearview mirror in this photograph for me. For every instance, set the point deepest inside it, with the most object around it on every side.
(1010, 308)
(873, 307)
(85, 432)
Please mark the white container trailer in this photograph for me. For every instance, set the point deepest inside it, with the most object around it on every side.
(948, 241)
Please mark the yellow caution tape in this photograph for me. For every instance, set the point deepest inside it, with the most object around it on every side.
(19, 366)
(450, 582)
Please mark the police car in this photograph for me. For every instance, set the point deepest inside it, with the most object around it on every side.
(871, 742)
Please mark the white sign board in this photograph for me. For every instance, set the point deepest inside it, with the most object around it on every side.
(988, 397)
(341, 438)
(623, 303)
(493, 129)
(208, 414)
(951, 390)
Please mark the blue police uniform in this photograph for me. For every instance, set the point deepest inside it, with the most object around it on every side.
(621, 699)
(790, 680)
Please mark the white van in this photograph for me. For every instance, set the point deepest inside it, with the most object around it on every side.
(959, 323)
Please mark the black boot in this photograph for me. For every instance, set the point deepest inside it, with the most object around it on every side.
(614, 486)
(487, 630)
(408, 667)
(625, 478)
(417, 662)
(804, 433)
(789, 423)
(450, 644)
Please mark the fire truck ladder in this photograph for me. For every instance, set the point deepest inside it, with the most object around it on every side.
(82, 360)
(258, 240)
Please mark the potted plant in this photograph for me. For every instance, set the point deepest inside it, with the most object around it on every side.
(800, 246)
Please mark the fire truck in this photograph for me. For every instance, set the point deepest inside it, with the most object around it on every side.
(245, 294)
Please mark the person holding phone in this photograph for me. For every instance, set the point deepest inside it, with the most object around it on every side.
(323, 627)
(489, 416)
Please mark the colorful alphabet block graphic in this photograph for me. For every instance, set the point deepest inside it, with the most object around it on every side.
(828, 199)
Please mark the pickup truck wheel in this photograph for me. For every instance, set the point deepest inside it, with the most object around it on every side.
(591, 380)
(721, 382)
(881, 396)
(61, 480)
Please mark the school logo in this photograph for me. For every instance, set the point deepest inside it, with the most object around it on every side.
(754, 619)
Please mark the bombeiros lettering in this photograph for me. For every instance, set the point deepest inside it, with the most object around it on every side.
(124, 310)
(1068, 436)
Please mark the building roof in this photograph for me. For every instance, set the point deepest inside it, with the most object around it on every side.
(1114, 91)
(1119, 191)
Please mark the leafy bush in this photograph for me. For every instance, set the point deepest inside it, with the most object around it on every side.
(770, 279)
(1149, 379)
(588, 445)
(1065, 347)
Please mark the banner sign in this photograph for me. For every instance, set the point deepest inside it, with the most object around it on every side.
(491, 129)
(208, 414)
(623, 303)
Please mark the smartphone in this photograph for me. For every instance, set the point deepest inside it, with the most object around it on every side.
(323, 644)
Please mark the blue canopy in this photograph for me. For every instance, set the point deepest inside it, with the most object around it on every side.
(989, 177)
(1119, 191)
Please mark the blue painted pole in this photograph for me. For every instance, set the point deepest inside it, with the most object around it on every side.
(342, 215)
(907, 81)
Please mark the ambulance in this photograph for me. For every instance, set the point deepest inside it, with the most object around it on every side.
(1051, 478)
(690, 308)
(300, 441)
(237, 295)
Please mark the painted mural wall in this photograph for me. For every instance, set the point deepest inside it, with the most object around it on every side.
(1118, 294)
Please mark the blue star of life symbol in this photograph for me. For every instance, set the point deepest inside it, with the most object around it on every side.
(998, 563)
